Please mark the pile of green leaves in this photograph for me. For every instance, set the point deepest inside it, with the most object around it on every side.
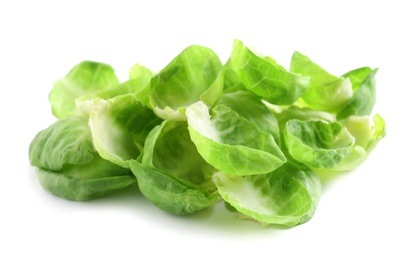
(248, 132)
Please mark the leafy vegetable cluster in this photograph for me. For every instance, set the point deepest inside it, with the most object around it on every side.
(248, 132)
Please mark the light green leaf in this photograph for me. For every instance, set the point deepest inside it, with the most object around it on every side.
(140, 78)
(326, 92)
(357, 76)
(140, 72)
(231, 143)
(119, 127)
(366, 136)
(172, 195)
(265, 78)
(172, 173)
(138, 84)
(378, 132)
(316, 143)
(86, 78)
(287, 196)
(359, 127)
(253, 109)
(69, 166)
(301, 113)
(67, 141)
(232, 80)
(195, 74)
(85, 182)
(362, 102)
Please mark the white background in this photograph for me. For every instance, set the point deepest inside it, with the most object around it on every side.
(364, 214)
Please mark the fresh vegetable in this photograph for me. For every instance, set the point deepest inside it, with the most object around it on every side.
(182, 184)
(286, 196)
(249, 133)
(265, 78)
(195, 74)
(69, 165)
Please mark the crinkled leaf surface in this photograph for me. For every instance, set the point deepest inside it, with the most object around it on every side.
(69, 166)
(366, 136)
(317, 143)
(195, 74)
(325, 92)
(85, 78)
(265, 78)
(119, 127)
(363, 101)
(172, 174)
(67, 141)
(232, 81)
(252, 108)
(287, 196)
(171, 194)
(230, 142)
(301, 113)
(85, 182)
(357, 76)
(138, 85)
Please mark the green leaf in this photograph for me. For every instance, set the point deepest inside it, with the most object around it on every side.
(140, 72)
(87, 77)
(231, 143)
(316, 143)
(357, 76)
(366, 136)
(67, 141)
(172, 173)
(69, 166)
(265, 78)
(195, 74)
(253, 109)
(86, 182)
(232, 80)
(140, 78)
(119, 127)
(287, 196)
(301, 113)
(326, 92)
(138, 84)
(170, 194)
(363, 101)
(378, 132)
